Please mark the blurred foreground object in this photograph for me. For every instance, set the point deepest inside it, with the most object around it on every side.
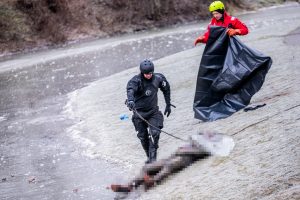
(200, 146)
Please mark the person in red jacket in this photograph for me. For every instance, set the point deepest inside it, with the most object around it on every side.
(221, 18)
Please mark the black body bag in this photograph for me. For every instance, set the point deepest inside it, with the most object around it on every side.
(230, 73)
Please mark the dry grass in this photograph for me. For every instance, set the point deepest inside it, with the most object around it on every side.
(12, 23)
(53, 19)
(31, 23)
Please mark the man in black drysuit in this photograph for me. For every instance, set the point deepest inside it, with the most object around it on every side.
(142, 98)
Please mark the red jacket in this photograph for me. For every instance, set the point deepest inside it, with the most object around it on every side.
(229, 22)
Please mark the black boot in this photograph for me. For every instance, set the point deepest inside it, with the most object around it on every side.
(146, 149)
(153, 145)
(147, 161)
(152, 155)
(145, 143)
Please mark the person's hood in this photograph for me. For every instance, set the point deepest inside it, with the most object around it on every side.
(224, 15)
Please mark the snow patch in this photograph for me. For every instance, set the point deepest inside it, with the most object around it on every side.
(3, 118)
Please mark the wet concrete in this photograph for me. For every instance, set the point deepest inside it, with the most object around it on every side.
(293, 38)
(266, 138)
(37, 159)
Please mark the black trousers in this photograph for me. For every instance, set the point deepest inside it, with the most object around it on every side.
(148, 135)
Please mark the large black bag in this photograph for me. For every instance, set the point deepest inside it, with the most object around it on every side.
(230, 73)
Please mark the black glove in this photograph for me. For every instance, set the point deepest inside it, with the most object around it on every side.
(168, 109)
(131, 105)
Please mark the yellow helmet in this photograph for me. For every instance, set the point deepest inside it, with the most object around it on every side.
(216, 5)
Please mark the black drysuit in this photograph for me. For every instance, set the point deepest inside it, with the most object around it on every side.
(144, 94)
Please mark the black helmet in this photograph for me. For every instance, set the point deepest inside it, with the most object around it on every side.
(146, 66)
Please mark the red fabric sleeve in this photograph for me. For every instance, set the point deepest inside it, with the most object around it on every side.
(206, 34)
(240, 25)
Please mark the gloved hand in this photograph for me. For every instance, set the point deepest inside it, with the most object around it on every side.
(199, 39)
(168, 109)
(232, 32)
(131, 105)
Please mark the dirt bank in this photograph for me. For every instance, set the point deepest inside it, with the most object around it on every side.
(30, 25)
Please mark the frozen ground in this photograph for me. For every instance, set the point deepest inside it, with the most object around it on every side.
(266, 161)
